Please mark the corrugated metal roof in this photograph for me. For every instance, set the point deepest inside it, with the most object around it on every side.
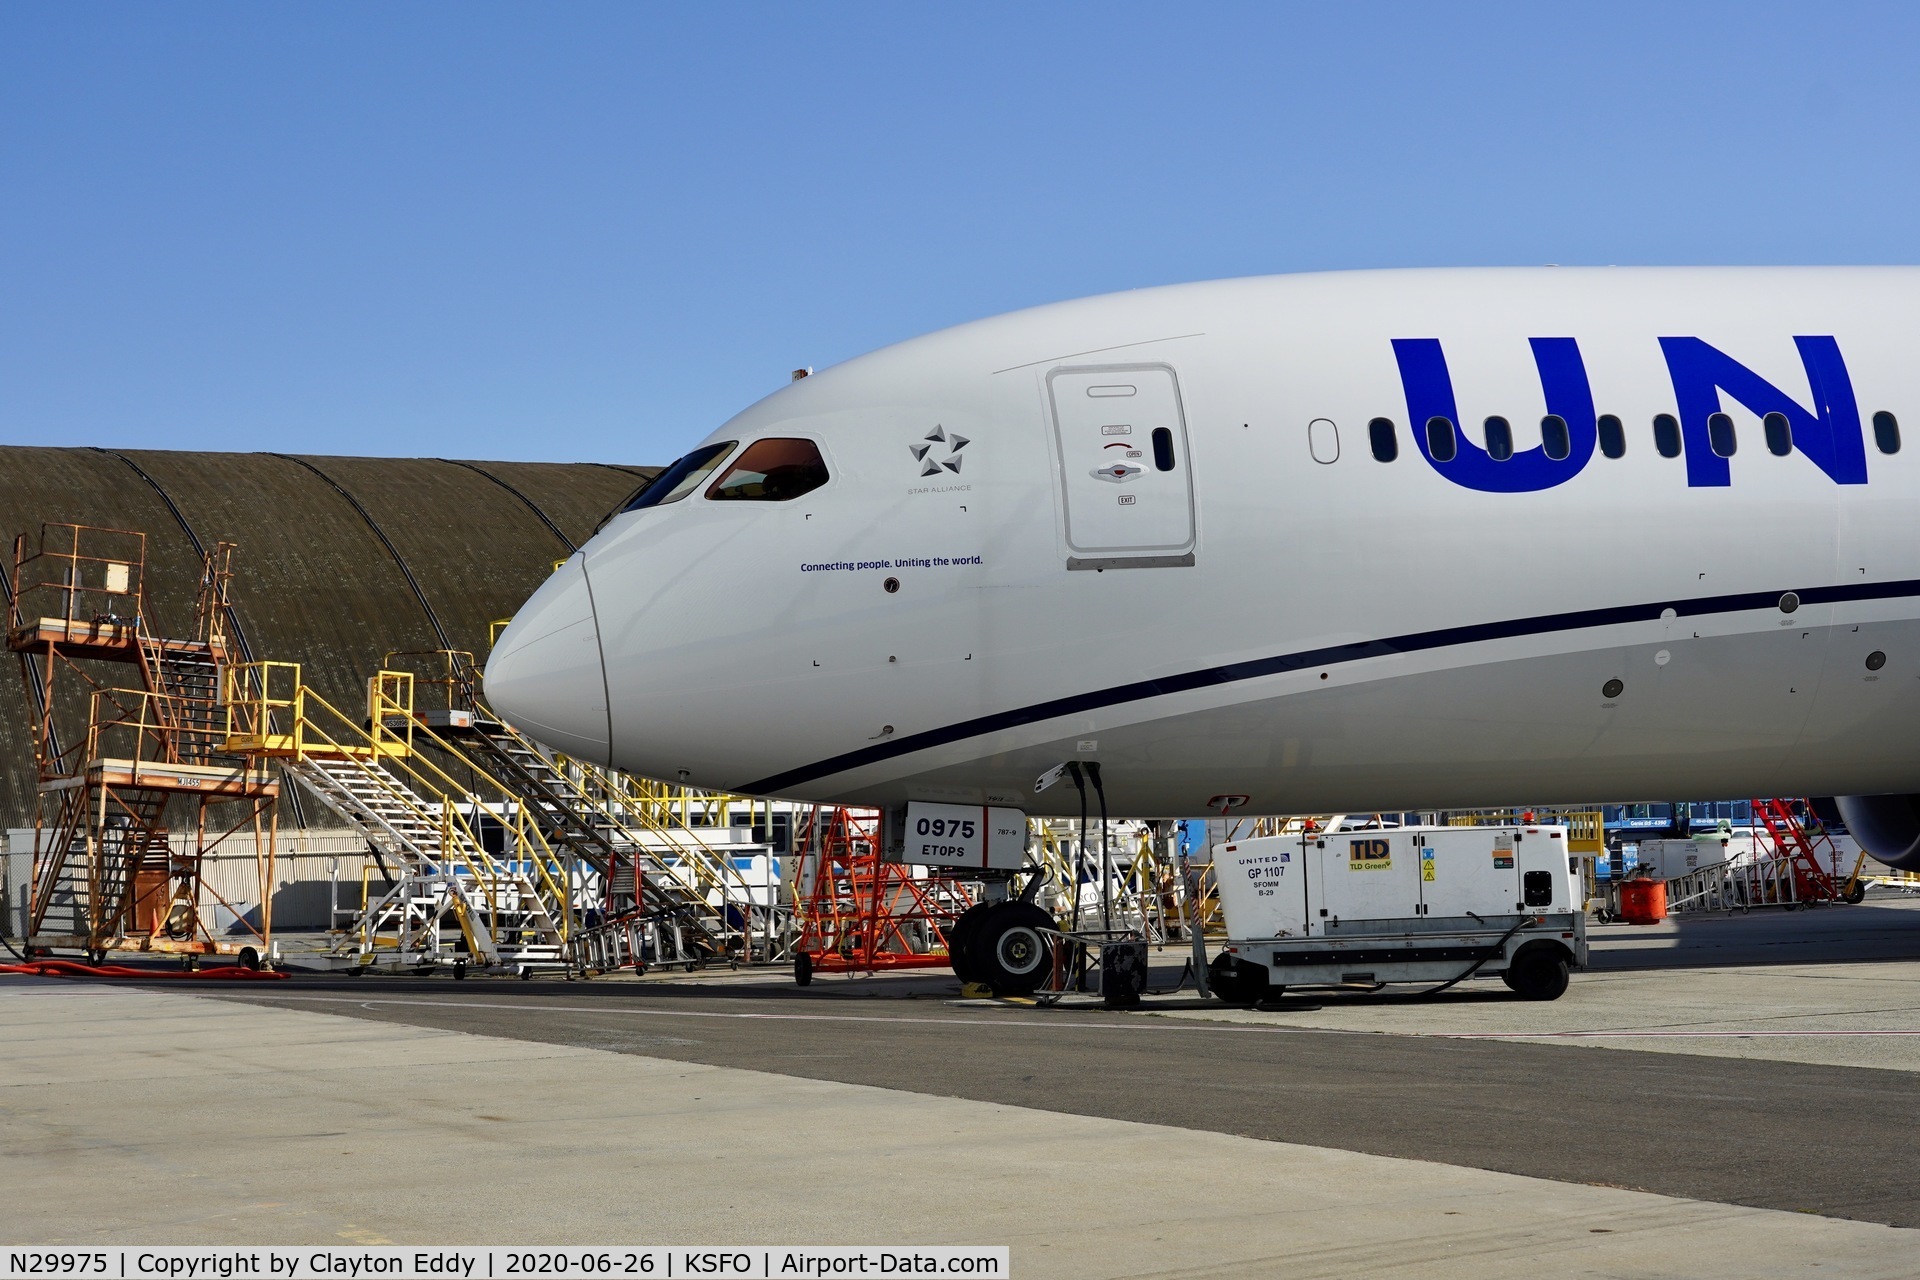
(314, 584)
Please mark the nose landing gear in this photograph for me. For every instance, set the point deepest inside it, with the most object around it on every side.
(1003, 946)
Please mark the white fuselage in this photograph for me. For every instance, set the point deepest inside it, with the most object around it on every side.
(1253, 605)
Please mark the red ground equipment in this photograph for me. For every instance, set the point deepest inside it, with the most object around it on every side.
(1813, 858)
(860, 913)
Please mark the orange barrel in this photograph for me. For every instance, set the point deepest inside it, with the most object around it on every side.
(1643, 901)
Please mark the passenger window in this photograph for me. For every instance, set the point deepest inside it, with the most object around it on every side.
(1538, 888)
(1162, 449)
(1720, 435)
(1440, 439)
(1666, 435)
(1886, 432)
(1386, 445)
(774, 470)
(1499, 439)
(1554, 437)
(680, 479)
(1779, 434)
(1613, 437)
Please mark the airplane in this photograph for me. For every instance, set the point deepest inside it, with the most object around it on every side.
(1317, 543)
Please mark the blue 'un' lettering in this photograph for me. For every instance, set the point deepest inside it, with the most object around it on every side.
(1563, 377)
(1829, 435)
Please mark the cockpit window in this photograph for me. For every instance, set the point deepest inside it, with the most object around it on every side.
(680, 479)
(775, 470)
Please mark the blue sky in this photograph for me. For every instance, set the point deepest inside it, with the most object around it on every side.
(594, 231)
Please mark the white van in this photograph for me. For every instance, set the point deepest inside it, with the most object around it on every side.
(1411, 904)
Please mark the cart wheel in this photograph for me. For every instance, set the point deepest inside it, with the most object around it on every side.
(1007, 950)
(250, 959)
(1236, 983)
(96, 957)
(958, 933)
(803, 970)
(459, 971)
(1538, 972)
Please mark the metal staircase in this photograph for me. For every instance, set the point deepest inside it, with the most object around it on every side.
(1796, 863)
(1807, 850)
(679, 885)
(457, 896)
(757, 925)
(653, 890)
(107, 874)
(186, 675)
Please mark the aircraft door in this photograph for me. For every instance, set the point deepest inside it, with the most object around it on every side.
(1120, 437)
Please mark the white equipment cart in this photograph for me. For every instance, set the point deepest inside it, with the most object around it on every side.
(1407, 904)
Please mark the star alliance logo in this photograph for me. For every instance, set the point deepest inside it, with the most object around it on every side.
(924, 450)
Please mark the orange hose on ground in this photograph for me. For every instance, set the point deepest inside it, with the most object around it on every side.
(74, 969)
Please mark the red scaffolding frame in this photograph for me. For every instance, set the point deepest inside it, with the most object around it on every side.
(860, 913)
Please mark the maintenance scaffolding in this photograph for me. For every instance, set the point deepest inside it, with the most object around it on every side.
(118, 765)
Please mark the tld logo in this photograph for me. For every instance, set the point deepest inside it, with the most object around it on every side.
(1828, 433)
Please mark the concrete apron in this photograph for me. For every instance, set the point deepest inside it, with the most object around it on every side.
(138, 1117)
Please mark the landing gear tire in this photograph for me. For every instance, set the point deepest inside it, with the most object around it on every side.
(1237, 983)
(1856, 895)
(803, 970)
(1007, 951)
(958, 934)
(1539, 972)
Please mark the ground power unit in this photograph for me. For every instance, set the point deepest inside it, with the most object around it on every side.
(1408, 904)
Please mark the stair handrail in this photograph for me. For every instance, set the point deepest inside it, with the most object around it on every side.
(699, 872)
(384, 753)
(394, 725)
(73, 582)
(127, 710)
(711, 868)
(1700, 883)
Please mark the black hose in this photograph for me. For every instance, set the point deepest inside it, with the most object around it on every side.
(380, 535)
(381, 863)
(1074, 955)
(1186, 971)
(1106, 863)
(1080, 845)
(1498, 948)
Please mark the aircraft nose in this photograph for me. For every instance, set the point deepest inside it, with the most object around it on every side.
(545, 676)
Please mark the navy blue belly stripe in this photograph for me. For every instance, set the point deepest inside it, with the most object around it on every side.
(1332, 655)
